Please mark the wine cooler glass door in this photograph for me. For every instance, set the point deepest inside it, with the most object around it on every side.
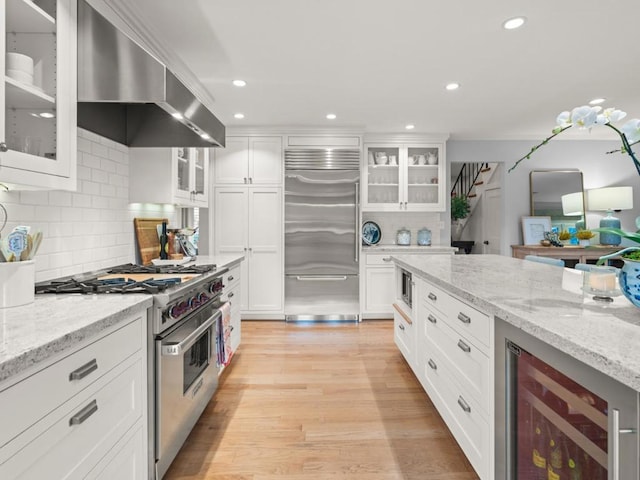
(565, 420)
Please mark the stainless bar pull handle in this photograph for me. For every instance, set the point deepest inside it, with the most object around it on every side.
(357, 221)
(83, 414)
(615, 442)
(386, 259)
(179, 348)
(84, 370)
(432, 319)
(401, 326)
(463, 346)
(432, 364)
(463, 318)
(230, 278)
(464, 405)
(432, 296)
(321, 279)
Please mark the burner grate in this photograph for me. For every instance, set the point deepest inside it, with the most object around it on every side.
(133, 268)
(111, 285)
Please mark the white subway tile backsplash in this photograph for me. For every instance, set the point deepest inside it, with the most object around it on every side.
(90, 188)
(99, 176)
(100, 150)
(116, 155)
(108, 166)
(89, 160)
(107, 191)
(84, 145)
(84, 173)
(60, 199)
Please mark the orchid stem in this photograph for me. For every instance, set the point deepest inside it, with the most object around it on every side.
(544, 142)
(626, 146)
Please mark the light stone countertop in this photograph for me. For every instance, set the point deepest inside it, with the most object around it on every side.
(52, 323)
(391, 248)
(544, 301)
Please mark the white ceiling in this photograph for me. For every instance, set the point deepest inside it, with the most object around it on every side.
(380, 64)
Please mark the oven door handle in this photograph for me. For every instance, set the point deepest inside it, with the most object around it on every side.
(173, 349)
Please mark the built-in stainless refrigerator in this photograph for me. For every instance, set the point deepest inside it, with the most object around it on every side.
(321, 234)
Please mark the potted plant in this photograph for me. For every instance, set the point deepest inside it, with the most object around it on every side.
(459, 211)
(629, 277)
(564, 236)
(584, 236)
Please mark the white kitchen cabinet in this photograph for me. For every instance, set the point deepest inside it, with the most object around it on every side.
(95, 398)
(178, 176)
(405, 177)
(38, 132)
(255, 160)
(248, 220)
(232, 293)
(379, 286)
(405, 323)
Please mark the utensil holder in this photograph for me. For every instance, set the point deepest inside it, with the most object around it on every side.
(17, 283)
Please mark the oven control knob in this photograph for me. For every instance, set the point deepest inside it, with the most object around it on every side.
(203, 298)
(173, 312)
(193, 302)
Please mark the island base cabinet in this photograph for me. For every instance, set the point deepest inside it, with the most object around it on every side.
(460, 411)
(70, 441)
(126, 461)
(404, 334)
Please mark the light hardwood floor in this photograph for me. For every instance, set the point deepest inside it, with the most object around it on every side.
(320, 402)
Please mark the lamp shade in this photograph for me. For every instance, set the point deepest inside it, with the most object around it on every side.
(610, 198)
(572, 204)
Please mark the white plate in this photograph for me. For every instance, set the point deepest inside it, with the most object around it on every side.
(161, 263)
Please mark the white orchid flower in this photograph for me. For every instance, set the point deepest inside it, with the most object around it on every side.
(631, 130)
(610, 115)
(584, 116)
(564, 119)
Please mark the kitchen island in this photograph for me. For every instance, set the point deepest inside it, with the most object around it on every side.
(451, 333)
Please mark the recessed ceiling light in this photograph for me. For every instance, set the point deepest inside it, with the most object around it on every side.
(331, 116)
(47, 115)
(239, 83)
(512, 23)
(410, 126)
(239, 116)
(452, 86)
(177, 115)
(206, 136)
(597, 101)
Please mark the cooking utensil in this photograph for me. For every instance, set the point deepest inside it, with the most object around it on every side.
(147, 238)
(16, 243)
(37, 240)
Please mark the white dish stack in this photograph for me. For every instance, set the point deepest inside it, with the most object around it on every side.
(20, 67)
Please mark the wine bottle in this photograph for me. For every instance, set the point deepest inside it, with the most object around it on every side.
(163, 242)
(555, 461)
(574, 460)
(539, 451)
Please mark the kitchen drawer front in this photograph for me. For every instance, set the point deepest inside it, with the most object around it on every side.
(379, 259)
(404, 336)
(232, 277)
(468, 363)
(126, 461)
(463, 318)
(470, 428)
(56, 448)
(44, 391)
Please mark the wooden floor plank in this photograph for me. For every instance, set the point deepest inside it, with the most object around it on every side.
(316, 402)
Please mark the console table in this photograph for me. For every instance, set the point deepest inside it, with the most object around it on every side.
(569, 252)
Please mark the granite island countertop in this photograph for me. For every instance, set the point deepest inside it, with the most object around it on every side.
(391, 248)
(32, 333)
(544, 301)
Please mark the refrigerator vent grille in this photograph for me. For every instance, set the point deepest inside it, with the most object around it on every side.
(322, 159)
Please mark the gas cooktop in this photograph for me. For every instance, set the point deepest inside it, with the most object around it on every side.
(92, 282)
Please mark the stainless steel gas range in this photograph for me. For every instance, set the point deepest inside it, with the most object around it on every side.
(182, 345)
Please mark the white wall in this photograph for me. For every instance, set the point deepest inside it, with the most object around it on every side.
(599, 170)
(88, 229)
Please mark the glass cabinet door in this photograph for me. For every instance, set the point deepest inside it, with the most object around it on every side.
(423, 176)
(199, 173)
(383, 176)
(183, 156)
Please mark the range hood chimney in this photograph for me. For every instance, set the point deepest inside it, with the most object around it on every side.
(127, 95)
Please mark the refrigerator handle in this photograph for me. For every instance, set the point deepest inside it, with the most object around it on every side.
(357, 222)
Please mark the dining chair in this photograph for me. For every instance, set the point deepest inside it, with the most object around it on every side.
(548, 260)
(587, 267)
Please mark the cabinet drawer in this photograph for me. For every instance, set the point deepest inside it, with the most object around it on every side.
(42, 392)
(463, 318)
(404, 335)
(79, 433)
(467, 362)
(379, 259)
(461, 413)
(232, 277)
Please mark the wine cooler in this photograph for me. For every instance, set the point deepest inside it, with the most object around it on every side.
(557, 418)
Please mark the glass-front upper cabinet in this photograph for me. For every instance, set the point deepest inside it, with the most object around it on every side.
(192, 172)
(404, 178)
(38, 129)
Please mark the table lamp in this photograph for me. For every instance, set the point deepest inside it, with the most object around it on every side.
(610, 199)
(573, 206)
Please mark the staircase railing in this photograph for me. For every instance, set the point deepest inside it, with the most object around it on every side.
(467, 178)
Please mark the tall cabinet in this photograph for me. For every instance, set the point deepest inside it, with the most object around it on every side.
(38, 133)
(248, 218)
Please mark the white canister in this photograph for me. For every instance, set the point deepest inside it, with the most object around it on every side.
(403, 237)
(17, 283)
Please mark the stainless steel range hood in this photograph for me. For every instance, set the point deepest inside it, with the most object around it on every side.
(127, 95)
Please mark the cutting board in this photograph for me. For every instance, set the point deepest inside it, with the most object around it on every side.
(147, 238)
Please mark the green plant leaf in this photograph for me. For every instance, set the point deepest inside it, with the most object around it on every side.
(633, 236)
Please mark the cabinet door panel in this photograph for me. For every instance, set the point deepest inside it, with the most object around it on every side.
(380, 291)
(231, 163)
(231, 212)
(265, 160)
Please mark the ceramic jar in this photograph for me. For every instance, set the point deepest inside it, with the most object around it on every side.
(403, 237)
(424, 237)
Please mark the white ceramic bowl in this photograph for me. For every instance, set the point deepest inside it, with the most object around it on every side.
(20, 76)
(381, 160)
(20, 62)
